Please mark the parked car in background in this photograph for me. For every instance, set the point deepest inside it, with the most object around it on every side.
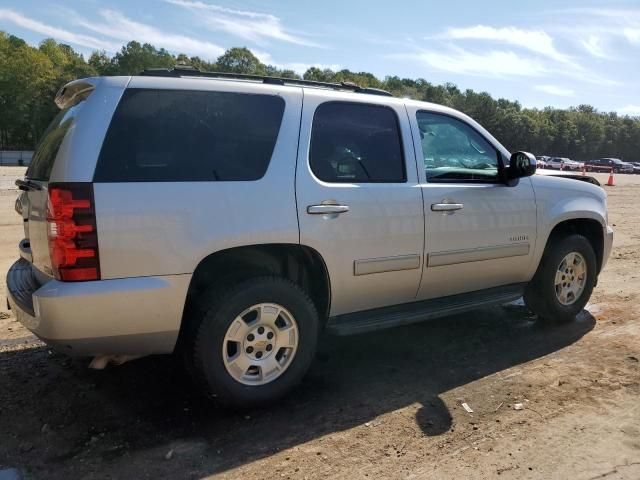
(541, 161)
(228, 221)
(563, 163)
(606, 164)
(636, 167)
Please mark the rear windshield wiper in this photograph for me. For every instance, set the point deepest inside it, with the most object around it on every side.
(27, 185)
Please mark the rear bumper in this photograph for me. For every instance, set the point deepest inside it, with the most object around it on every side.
(134, 316)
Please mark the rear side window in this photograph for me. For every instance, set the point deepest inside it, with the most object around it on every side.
(356, 143)
(47, 149)
(174, 135)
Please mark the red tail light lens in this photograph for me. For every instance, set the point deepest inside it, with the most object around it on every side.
(71, 228)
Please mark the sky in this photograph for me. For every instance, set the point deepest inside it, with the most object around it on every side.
(541, 53)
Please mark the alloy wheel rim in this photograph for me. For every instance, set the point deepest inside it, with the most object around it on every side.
(260, 344)
(571, 278)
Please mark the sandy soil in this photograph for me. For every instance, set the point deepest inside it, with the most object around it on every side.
(380, 405)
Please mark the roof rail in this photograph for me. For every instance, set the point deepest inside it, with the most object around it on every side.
(185, 71)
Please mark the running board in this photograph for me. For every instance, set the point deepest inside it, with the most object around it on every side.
(405, 314)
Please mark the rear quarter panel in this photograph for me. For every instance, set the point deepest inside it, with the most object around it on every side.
(164, 228)
(78, 154)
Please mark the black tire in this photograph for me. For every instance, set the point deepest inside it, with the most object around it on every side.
(218, 309)
(540, 294)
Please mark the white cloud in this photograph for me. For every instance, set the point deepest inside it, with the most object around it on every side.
(610, 22)
(489, 64)
(536, 41)
(618, 14)
(252, 26)
(540, 57)
(297, 67)
(632, 34)
(54, 32)
(118, 26)
(632, 110)
(594, 45)
(300, 68)
(555, 90)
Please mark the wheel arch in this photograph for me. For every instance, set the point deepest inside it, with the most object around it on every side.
(301, 264)
(591, 228)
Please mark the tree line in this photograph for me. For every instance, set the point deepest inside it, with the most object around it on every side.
(30, 78)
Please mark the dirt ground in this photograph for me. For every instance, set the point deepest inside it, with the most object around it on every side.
(380, 405)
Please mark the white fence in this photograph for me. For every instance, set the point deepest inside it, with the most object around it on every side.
(18, 157)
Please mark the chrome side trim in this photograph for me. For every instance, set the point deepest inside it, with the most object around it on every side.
(439, 259)
(386, 264)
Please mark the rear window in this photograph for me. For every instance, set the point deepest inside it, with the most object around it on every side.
(47, 149)
(173, 135)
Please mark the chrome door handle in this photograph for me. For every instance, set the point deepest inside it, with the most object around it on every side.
(327, 209)
(446, 207)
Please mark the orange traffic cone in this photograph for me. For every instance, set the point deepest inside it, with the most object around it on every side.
(610, 182)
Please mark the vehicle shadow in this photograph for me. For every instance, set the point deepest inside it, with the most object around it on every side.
(147, 406)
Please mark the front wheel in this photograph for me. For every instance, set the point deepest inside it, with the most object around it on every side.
(255, 341)
(564, 280)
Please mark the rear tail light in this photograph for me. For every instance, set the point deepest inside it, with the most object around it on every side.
(71, 229)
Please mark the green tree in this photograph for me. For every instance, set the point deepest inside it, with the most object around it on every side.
(240, 60)
(133, 58)
(101, 63)
(30, 78)
(26, 74)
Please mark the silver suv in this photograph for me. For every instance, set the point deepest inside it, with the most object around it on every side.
(232, 220)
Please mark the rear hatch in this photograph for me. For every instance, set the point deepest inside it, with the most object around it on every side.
(33, 201)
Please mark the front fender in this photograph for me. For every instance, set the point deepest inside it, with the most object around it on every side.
(559, 200)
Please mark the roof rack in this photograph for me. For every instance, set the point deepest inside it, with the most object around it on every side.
(185, 71)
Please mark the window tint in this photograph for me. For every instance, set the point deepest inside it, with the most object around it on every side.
(453, 151)
(47, 149)
(172, 135)
(356, 143)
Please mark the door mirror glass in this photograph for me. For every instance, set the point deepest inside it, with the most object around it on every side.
(521, 164)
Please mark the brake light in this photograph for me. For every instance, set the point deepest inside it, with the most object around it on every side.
(71, 229)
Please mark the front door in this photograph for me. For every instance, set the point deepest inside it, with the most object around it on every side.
(358, 198)
(480, 233)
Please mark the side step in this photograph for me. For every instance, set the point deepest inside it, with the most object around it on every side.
(405, 314)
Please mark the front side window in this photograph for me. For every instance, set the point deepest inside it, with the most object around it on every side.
(453, 151)
(183, 135)
(356, 143)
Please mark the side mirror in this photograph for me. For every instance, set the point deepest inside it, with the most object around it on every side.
(521, 164)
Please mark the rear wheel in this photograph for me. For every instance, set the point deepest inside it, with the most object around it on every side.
(564, 280)
(255, 341)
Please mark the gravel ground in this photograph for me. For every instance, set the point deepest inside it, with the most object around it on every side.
(379, 405)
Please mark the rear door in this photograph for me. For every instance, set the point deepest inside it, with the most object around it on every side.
(358, 199)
